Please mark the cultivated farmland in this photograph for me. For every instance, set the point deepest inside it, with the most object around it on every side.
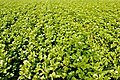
(59, 39)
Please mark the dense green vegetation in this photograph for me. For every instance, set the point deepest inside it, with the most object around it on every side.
(59, 39)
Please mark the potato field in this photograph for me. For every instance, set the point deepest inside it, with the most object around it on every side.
(59, 39)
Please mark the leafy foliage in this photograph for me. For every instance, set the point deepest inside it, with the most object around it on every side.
(59, 39)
